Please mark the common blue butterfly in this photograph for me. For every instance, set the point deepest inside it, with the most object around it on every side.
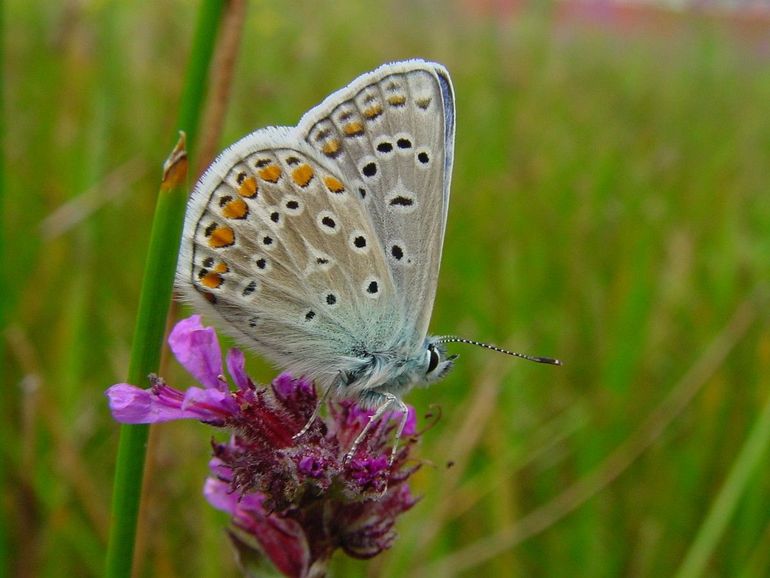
(319, 245)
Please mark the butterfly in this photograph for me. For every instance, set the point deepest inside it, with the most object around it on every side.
(319, 246)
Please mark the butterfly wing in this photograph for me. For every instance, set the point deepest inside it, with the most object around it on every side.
(278, 249)
(391, 135)
(292, 250)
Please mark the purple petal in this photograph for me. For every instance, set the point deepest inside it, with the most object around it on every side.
(197, 349)
(220, 495)
(287, 387)
(221, 470)
(236, 367)
(131, 404)
(365, 470)
(209, 404)
(312, 466)
(357, 415)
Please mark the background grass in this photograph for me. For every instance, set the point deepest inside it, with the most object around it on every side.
(610, 207)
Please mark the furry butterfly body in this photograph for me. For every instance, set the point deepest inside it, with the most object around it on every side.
(319, 245)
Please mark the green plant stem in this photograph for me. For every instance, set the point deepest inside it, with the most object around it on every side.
(151, 318)
(201, 52)
(155, 298)
(723, 508)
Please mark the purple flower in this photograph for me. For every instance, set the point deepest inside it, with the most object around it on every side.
(291, 501)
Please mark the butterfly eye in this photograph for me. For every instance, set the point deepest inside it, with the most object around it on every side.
(433, 357)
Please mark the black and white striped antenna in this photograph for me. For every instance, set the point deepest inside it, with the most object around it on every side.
(454, 339)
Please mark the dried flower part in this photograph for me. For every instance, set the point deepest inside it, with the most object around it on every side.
(291, 501)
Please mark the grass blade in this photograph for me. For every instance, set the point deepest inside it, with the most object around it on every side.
(723, 508)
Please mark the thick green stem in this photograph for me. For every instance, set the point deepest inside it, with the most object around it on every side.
(156, 296)
(148, 336)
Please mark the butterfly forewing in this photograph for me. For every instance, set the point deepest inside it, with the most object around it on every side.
(391, 133)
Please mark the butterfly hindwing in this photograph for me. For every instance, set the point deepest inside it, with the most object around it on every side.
(278, 247)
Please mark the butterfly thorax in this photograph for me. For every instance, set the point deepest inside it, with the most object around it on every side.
(374, 373)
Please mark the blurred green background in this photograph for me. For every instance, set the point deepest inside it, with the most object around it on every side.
(610, 207)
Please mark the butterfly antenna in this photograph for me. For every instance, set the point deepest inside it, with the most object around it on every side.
(453, 339)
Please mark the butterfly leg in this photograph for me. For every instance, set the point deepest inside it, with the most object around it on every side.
(388, 400)
(404, 409)
(314, 416)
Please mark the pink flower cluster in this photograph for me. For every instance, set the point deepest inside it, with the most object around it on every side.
(293, 502)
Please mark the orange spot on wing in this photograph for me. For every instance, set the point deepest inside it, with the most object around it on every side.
(334, 185)
(271, 173)
(331, 147)
(302, 175)
(397, 100)
(221, 267)
(354, 128)
(221, 237)
(212, 280)
(373, 112)
(236, 209)
(248, 187)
